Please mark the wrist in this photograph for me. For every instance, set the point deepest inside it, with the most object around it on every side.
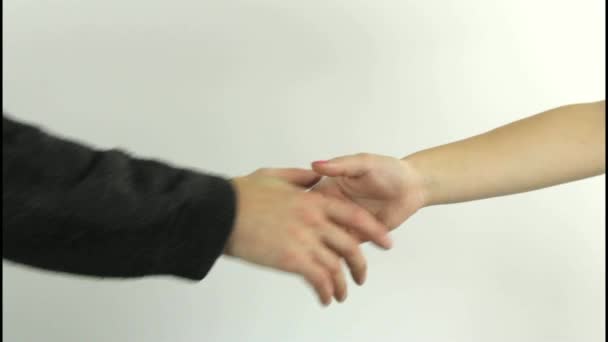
(423, 182)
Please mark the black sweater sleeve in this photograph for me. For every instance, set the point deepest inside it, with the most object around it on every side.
(69, 208)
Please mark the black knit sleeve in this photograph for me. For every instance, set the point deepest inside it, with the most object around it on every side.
(69, 208)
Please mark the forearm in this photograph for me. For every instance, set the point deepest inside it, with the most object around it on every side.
(553, 147)
(69, 208)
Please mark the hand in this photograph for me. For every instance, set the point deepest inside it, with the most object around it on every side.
(279, 225)
(387, 187)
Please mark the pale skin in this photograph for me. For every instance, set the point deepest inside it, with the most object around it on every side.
(281, 226)
(557, 146)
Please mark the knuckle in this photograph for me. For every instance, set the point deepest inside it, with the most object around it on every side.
(313, 198)
(288, 260)
(297, 233)
(317, 279)
(326, 282)
(352, 250)
(359, 216)
(335, 266)
(310, 215)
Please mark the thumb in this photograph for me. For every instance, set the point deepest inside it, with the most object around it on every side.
(346, 166)
(299, 177)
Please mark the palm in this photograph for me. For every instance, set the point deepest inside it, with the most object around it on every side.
(386, 189)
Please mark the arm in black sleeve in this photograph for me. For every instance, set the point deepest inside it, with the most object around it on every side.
(68, 208)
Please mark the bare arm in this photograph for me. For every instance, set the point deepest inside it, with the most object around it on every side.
(553, 147)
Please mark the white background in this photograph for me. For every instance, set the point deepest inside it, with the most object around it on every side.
(228, 86)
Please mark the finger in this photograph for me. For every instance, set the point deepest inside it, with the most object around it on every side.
(347, 166)
(319, 279)
(300, 177)
(357, 236)
(347, 247)
(358, 221)
(331, 262)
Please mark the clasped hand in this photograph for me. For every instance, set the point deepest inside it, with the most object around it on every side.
(281, 225)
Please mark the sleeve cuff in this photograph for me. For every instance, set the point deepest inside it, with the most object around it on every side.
(202, 227)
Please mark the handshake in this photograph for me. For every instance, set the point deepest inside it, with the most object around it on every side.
(55, 205)
(282, 225)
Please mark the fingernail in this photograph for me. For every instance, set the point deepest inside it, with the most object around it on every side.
(320, 162)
